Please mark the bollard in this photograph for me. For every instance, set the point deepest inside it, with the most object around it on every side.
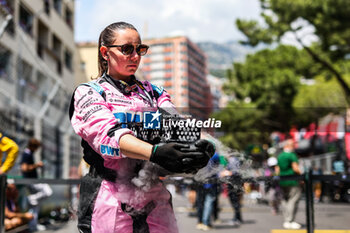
(2, 202)
(309, 202)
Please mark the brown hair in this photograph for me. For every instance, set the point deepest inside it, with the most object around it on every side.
(107, 37)
(33, 144)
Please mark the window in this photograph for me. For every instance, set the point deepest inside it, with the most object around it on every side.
(43, 90)
(8, 6)
(47, 6)
(163, 45)
(45, 84)
(69, 17)
(83, 66)
(43, 38)
(59, 67)
(56, 49)
(57, 4)
(26, 20)
(68, 59)
(5, 61)
(24, 74)
(10, 28)
(58, 100)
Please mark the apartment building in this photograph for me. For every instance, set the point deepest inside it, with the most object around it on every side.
(87, 59)
(180, 67)
(37, 78)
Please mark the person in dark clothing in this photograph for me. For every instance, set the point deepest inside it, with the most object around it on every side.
(235, 191)
(38, 191)
(13, 216)
(207, 194)
(234, 187)
(28, 166)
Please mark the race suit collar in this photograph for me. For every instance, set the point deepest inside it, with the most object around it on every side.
(131, 86)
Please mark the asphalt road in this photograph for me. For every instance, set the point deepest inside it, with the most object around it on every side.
(257, 218)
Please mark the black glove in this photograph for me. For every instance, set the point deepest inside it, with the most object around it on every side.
(171, 155)
(207, 150)
(207, 147)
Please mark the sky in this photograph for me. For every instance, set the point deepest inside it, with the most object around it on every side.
(199, 20)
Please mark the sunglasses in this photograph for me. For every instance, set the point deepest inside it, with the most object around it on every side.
(127, 49)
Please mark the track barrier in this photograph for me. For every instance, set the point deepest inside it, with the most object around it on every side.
(307, 177)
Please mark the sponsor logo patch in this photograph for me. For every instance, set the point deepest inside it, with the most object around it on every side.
(110, 151)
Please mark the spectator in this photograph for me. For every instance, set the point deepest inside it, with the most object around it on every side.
(10, 147)
(317, 185)
(216, 208)
(273, 189)
(14, 218)
(234, 188)
(38, 191)
(291, 191)
(207, 195)
(192, 196)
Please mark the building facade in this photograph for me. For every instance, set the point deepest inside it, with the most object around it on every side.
(37, 78)
(219, 98)
(87, 59)
(178, 65)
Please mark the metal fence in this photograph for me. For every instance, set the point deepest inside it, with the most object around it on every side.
(308, 178)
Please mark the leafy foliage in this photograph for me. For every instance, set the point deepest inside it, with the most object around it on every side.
(241, 124)
(270, 96)
(329, 19)
(315, 101)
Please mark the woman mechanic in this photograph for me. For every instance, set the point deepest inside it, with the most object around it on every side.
(100, 113)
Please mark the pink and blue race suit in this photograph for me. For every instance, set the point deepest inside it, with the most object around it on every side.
(136, 201)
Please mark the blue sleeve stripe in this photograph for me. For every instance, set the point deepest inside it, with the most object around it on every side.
(159, 90)
(95, 86)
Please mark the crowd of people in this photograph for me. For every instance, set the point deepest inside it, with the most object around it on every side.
(220, 175)
(224, 177)
(14, 215)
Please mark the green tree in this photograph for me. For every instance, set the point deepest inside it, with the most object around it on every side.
(329, 19)
(240, 122)
(270, 79)
(315, 101)
(264, 86)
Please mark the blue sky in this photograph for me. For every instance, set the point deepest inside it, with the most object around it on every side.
(200, 20)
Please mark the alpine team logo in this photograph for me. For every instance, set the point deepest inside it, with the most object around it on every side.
(151, 120)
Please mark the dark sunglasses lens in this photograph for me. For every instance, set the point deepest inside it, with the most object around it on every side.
(142, 49)
(127, 49)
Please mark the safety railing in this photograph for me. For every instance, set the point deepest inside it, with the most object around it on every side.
(308, 178)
